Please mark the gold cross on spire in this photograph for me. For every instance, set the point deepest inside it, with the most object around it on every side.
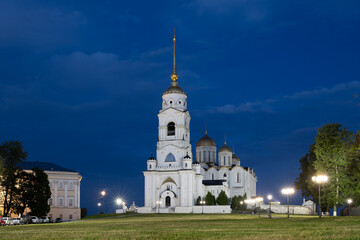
(174, 76)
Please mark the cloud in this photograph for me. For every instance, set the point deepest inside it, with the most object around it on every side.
(256, 106)
(34, 26)
(100, 69)
(325, 91)
(340, 94)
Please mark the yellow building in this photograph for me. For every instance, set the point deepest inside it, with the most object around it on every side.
(65, 190)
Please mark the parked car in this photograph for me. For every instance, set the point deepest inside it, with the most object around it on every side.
(18, 221)
(2, 222)
(35, 220)
(8, 221)
(44, 219)
(58, 220)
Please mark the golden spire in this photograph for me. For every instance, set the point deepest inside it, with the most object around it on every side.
(225, 140)
(174, 76)
(205, 128)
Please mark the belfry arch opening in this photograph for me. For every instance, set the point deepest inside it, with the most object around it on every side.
(171, 129)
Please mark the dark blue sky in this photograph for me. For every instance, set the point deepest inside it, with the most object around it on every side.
(81, 82)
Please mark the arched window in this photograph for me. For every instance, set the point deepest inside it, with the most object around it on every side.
(170, 158)
(238, 177)
(171, 129)
(212, 176)
(186, 165)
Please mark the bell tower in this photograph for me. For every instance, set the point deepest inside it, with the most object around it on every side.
(174, 124)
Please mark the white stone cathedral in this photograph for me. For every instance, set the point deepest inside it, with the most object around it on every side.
(174, 181)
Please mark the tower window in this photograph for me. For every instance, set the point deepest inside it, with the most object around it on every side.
(179, 102)
(170, 158)
(170, 102)
(171, 129)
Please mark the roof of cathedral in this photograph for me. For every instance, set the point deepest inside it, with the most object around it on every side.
(174, 89)
(206, 141)
(225, 148)
(234, 157)
(46, 166)
(213, 182)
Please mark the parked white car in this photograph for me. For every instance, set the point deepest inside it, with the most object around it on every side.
(35, 220)
(44, 219)
(18, 221)
(8, 220)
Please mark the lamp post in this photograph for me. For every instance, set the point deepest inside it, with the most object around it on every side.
(349, 201)
(202, 206)
(288, 192)
(319, 180)
(99, 205)
(269, 197)
(103, 193)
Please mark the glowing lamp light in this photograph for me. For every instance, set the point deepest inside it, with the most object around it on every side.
(259, 199)
(99, 204)
(288, 191)
(269, 197)
(320, 179)
(103, 193)
(349, 201)
(118, 201)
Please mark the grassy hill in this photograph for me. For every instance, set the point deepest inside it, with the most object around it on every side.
(191, 226)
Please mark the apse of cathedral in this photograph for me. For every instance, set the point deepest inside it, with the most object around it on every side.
(176, 178)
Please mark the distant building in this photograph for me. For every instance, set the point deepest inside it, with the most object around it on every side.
(65, 190)
(173, 180)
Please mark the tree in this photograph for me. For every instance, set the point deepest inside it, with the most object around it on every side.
(198, 200)
(84, 212)
(333, 150)
(209, 199)
(309, 190)
(12, 154)
(38, 196)
(353, 172)
(222, 199)
(236, 203)
(22, 192)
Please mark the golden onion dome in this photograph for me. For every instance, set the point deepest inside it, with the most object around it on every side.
(235, 158)
(206, 141)
(174, 89)
(225, 148)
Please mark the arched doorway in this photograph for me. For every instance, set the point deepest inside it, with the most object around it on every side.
(167, 201)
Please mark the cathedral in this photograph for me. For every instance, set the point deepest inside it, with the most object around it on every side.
(175, 178)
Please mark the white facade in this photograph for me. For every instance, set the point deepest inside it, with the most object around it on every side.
(172, 181)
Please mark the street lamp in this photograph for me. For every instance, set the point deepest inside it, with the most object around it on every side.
(319, 180)
(202, 206)
(118, 201)
(349, 201)
(103, 193)
(288, 192)
(99, 205)
(269, 197)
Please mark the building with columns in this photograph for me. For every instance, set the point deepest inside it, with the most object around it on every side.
(65, 190)
(174, 179)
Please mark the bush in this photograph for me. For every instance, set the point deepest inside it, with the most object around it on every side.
(222, 199)
(210, 199)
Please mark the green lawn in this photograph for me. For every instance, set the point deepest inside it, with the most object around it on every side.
(192, 226)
